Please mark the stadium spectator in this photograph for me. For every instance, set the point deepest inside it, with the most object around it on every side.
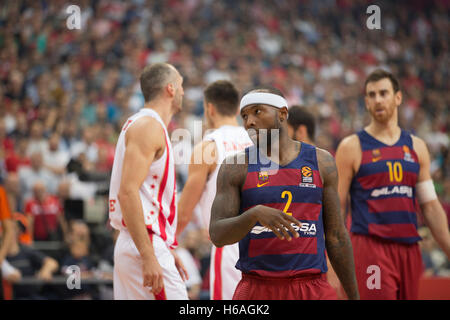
(12, 187)
(29, 262)
(46, 216)
(55, 159)
(86, 149)
(28, 176)
(17, 157)
(79, 242)
(37, 142)
(434, 260)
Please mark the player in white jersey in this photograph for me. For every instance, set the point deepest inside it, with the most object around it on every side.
(221, 106)
(142, 195)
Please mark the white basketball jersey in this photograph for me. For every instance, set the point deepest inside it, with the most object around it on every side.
(157, 193)
(229, 140)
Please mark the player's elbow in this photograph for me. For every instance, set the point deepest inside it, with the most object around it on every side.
(337, 239)
(124, 194)
(216, 238)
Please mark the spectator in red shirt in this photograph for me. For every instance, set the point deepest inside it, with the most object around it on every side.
(46, 215)
(18, 157)
(6, 144)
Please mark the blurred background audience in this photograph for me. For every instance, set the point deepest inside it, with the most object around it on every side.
(64, 94)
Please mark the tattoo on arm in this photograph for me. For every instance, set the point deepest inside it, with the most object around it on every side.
(226, 225)
(337, 240)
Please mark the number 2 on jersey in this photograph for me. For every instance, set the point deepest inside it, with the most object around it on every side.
(395, 171)
(288, 203)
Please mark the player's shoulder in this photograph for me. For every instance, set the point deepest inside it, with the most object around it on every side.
(204, 144)
(326, 163)
(350, 141)
(349, 145)
(421, 150)
(148, 124)
(418, 143)
(239, 158)
(235, 166)
(204, 152)
(146, 129)
(323, 155)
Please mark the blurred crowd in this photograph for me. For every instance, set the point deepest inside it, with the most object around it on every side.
(64, 94)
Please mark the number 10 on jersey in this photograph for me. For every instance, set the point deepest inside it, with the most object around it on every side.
(395, 171)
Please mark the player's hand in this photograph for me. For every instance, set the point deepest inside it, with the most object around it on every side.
(153, 274)
(180, 266)
(277, 221)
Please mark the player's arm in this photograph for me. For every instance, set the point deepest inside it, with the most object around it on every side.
(196, 181)
(346, 153)
(432, 210)
(143, 140)
(337, 239)
(227, 226)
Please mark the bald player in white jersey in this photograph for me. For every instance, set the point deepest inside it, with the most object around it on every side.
(142, 195)
(221, 101)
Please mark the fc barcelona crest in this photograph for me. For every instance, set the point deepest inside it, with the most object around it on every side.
(376, 155)
(263, 176)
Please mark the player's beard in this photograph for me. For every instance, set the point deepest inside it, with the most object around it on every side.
(383, 114)
(271, 138)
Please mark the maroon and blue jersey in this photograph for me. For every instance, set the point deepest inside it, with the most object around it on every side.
(295, 189)
(383, 201)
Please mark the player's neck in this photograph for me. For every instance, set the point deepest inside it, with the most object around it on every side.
(162, 109)
(387, 132)
(224, 121)
(278, 151)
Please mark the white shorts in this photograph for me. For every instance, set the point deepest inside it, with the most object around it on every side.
(128, 278)
(223, 275)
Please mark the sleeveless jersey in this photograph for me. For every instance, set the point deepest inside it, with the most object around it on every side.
(229, 140)
(296, 189)
(382, 192)
(158, 191)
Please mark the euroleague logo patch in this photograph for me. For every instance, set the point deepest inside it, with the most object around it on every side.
(407, 154)
(307, 174)
(307, 179)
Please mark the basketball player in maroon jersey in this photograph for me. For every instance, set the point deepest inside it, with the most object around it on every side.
(281, 251)
(384, 169)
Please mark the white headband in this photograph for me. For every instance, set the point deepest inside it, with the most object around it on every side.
(271, 99)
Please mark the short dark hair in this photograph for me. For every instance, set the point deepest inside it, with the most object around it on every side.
(379, 74)
(224, 96)
(298, 116)
(268, 90)
(154, 78)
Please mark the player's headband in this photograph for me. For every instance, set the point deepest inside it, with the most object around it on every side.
(271, 99)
